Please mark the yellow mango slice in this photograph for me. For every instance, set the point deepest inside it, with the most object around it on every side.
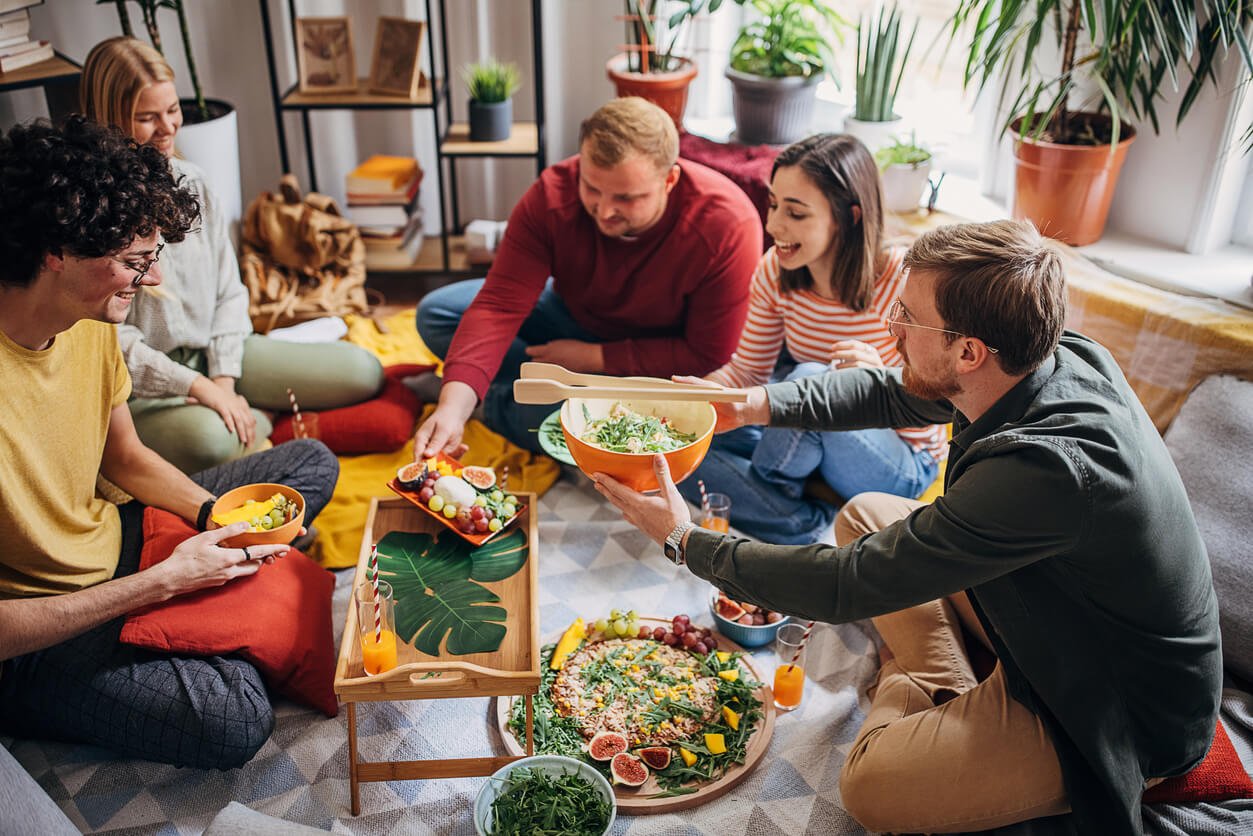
(715, 743)
(689, 758)
(730, 676)
(732, 717)
(570, 639)
(244, 512)
(724, 656)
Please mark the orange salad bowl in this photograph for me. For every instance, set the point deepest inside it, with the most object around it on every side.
(260, 492)
(635, 470)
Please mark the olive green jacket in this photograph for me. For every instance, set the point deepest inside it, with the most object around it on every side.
(1065, 520)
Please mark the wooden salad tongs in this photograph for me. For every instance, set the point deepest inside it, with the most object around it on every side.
(550, 383)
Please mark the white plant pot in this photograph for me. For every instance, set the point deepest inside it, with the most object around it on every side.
(214, 146)
(874, 135)
(904, 186)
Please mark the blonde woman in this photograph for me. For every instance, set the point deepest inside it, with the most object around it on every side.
(201, 377)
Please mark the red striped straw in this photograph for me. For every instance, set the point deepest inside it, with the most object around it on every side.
(374, 582)
(295, 408)
(805, 638)
(704, 497)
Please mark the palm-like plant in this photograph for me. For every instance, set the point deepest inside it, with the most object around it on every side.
(148, 11)
(880, 66)
(654, 28)
(789, 39)
(1127, 50)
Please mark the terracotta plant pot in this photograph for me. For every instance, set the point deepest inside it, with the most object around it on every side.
(1065, 190)
(667, 90)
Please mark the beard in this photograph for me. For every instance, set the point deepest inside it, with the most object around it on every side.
(933, 389)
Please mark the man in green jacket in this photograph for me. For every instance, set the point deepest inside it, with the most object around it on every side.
(1064, 542)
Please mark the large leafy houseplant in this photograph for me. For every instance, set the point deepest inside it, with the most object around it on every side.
(1121, 56)
(791, 38)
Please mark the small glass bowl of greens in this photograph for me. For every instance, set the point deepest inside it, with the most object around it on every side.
(545, 793)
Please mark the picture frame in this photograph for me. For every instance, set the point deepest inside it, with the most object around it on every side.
(324, 55)
(395, 69)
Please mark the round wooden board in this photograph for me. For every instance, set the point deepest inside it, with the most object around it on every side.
(634, 801)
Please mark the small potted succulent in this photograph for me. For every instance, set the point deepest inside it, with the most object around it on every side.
(880, 67)
(491, 86)
(904, 167)
(777, 61)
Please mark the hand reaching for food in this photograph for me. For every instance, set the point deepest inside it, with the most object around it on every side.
(854, 354)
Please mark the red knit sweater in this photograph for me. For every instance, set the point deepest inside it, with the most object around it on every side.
(671, 301)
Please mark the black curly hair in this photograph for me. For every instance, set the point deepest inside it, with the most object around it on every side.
(84, 190)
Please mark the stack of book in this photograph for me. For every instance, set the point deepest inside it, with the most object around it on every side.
(383, 203)
(17, 50)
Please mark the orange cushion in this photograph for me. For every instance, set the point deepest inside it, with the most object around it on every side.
(1219, 777)
(380, 425)
(279, 619)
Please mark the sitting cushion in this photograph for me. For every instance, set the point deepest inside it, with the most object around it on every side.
(279, 619)
(379, 425)
(1211, 442)
(747, 166)
(1219, 777)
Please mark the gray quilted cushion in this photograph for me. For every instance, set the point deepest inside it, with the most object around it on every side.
(1211, 441)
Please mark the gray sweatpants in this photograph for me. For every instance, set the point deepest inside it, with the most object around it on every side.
(206, 712)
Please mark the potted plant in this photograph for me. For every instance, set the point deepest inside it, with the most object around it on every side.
(209, 136)
(880, 68)
(904, 167)
(776, 62)
(1069, 149)
(491, 86)
(649, 66)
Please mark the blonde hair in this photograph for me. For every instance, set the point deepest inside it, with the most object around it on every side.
(115, 73)
(627, 126)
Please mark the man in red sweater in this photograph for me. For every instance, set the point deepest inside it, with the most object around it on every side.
(622, 260)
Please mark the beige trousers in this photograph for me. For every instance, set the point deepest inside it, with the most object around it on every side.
(940, 751)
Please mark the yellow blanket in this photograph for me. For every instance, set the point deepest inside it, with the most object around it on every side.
(342, 523)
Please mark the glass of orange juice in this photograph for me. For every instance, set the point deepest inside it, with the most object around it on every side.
(377, 620)
(789, 676)
(715, 512)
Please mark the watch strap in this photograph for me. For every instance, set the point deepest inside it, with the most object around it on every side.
(673, 546)
(206, 508)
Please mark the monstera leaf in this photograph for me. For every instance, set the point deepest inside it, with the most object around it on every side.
(433, 585)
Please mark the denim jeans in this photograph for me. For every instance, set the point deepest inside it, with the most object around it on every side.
(440, 313)
(763, 471)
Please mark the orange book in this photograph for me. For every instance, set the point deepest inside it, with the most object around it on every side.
(382, 174)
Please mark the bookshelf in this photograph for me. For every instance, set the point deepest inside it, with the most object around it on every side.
(58, 76)
(444, 253)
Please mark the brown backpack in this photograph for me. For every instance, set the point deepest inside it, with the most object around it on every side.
(301, 259)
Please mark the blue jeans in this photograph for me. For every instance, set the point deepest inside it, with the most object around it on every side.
(440, 313)
(764, 471)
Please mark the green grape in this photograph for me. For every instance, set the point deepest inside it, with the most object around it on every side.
(601, 625)
(450, 510)
(509, 510)
(494, 525)
(497, 495)
(276, 517)
(614, 615)
(437, 503)
(620, 627)
(631, 615)
(267, 523)
(480, 501)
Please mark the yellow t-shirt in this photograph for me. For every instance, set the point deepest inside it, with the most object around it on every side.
(56, 534)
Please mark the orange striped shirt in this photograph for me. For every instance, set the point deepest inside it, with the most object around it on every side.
(808, 324)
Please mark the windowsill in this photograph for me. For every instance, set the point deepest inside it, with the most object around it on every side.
(1223, 274)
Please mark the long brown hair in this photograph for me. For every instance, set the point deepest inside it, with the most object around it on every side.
(844, 170)
(115, 73)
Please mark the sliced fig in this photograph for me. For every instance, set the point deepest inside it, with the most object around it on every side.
(483, 478)
(628, 770)
(606, 744)
(411, 475)
(656, 757)
(729, 610)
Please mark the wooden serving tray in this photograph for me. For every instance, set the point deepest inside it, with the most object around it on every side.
(513, 669)
(634, 801)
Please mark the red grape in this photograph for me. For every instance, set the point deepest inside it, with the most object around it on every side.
(671, 639)
(480, 525)
(679, 629)
(659, 633)
(682, 618)
(689, 640)
(700, 648)
(425, 495)
(645, 633)
(712, 642)
(476, 513)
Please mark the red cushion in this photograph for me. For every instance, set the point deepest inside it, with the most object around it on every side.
(380, 425)
(1219, 777)
(279, 619)
(748, 166)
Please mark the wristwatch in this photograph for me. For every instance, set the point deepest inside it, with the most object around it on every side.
(673, 547)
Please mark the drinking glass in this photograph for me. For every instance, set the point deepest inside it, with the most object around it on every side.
(715, 512)
(377, 623)
(789, 676)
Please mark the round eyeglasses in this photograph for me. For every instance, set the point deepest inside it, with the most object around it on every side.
(898, 316)
(140, 272)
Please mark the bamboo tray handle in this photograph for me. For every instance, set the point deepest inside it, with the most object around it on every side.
(532, 370)
(534, 391)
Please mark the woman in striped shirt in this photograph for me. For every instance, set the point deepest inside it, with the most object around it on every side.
(819, 302)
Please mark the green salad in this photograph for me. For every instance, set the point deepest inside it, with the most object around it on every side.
(625, 431)
(535, 803)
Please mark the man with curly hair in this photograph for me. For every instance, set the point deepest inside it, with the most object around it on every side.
(84, 213)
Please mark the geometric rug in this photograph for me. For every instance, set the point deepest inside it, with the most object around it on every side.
(591, 562)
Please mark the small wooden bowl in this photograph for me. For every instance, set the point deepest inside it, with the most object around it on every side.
(260, 492)
(635, 470)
